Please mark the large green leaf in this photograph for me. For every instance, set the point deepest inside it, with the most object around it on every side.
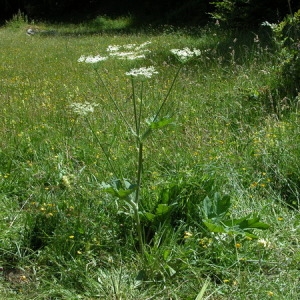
(246, 223)
(219, 228)
(216, 207)
(214, 227)
(118, 188)
(242, 226)
(121, 194)
(222, 204)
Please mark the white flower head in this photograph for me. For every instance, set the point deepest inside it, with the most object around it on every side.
(264, 243)
(271, 25)
(220, 237)
(128, 51)
(186, 53)
(143, 72)
(83, 109)
(92, 59)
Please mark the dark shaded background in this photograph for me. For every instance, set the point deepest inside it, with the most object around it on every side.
(175, 12)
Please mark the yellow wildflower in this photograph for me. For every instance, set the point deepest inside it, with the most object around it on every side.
(187, 234)
(238, 245)
(23, 277)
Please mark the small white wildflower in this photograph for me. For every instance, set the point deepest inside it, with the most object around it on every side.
(186, 53)
(144, 72)
(220, 237)
(81, 58)
(267, 24)
(66, 181)
(91, 59)
(83, 109)
(264, 243)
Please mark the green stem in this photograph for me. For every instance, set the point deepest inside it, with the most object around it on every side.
(290, 7)
(137, 197)
(139, 172)
(139, 230)
(137, 129)
(141, 105)
(101, 146)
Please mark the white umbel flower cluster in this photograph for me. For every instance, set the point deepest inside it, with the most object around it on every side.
(142, 72)
(186, 53)
(264, 243)
(129, 51)
(83, 109)
(92, 59)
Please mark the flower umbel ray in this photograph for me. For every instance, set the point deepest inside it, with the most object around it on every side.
(143, 72)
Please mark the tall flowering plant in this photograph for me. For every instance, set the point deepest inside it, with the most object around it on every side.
(123, 189)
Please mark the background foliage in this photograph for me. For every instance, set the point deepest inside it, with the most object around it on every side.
(191, 12)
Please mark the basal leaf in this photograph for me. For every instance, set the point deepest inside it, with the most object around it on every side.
(214, 227)
(222, 204)
(122, 194)
(207, 207)
(216, 207)
(245, 223)
(116, 188)
(111, 191)
(259, 225)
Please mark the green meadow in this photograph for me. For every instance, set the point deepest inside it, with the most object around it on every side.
(180, 185)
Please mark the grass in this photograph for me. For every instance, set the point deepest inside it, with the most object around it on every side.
(63, 237)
